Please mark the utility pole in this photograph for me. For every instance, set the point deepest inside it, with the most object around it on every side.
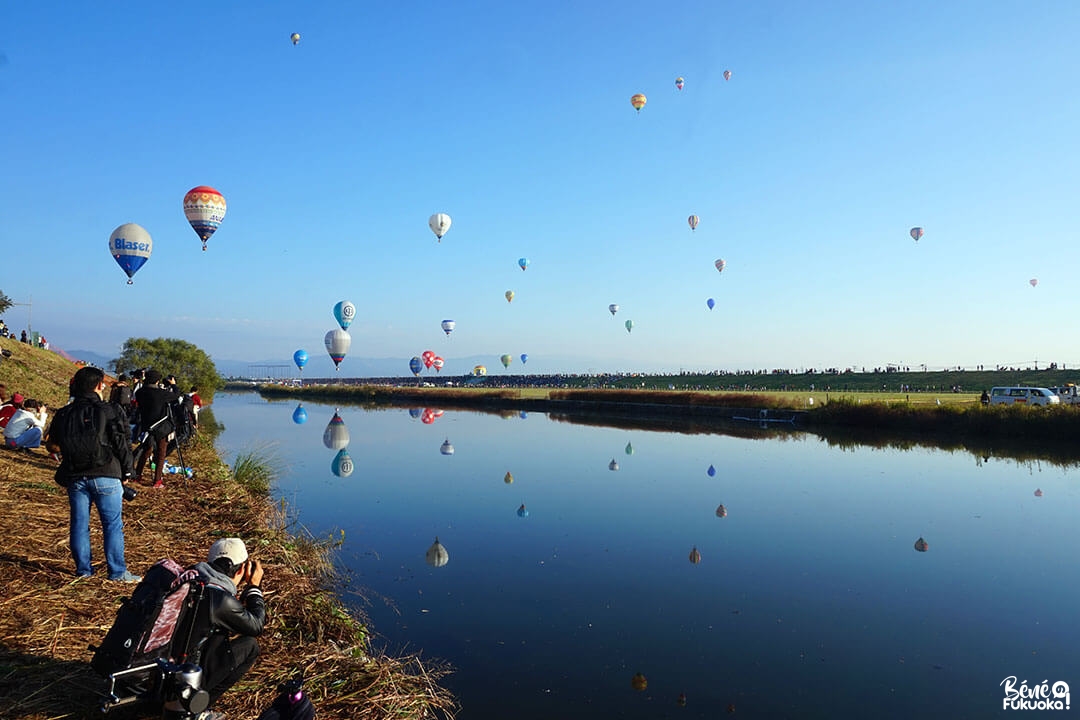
(29, 305)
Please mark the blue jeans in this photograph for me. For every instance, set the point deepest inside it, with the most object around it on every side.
(107, 494)
(31, 438)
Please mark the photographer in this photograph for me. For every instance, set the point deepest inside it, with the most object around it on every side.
(92, 471)
(154, 423)
(223, 657)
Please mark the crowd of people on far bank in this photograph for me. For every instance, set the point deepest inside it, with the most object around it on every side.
(101, 440)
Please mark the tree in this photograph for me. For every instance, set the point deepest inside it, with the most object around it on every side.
(5, 303)
(169, 356)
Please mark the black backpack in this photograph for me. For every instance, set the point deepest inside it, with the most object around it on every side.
(155, 622)
(182, 416)
(79, 430)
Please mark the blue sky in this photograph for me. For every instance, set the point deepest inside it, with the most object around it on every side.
(844, 124)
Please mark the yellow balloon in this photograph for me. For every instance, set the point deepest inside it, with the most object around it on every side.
(509, 296)
(638, 101)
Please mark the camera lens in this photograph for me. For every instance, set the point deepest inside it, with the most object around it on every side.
(129, 493)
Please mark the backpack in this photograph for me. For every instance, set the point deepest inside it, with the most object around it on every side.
(182, 418)
(155, 622)
(81, 435)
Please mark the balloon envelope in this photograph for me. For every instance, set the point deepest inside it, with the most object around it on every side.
(446, 448)
(428, 357)
(509, 294)
(448, 326)
(921, 545)
(299, 415)
(523, 263)
(916, 233)
(522, 512)
(695, 556)
(344, 313)
(727, 74)
(479, 371)
(337, 345)
(342, 464)
(679, 83)
(711, 472)
(300, 357)
(204, 208)
(416, 365)
(613, 465)
(436, 555)
(439, 224)
(693, 221)
(524, 358)
(629, 325)
(336, 435)
(437, 363)
(130, 245)
(711, 303)
(638, 101)
(613, 308)
(720, 265)
(295, 37)
(506, 360)
(1033, 281)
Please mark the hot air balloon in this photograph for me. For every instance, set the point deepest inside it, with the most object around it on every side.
(613, 308)
(524, 358)
(1038, 492)
(916, 233)
(439, 224)
(720, 265)
(344, 313)
(436, 555)
(721, 512)
(629, 449)
(508, 478)
(695, 556)
(427, 416)
(428, 357)
(727, 75)
(638, 682)
(638, 101)
(711, 303)
(711, 472)
(446, 448)
(506, 360)
(693, 221)
(448, 326)
(336, 434)
(679, 83)
(437, 363)
(342, 464)
(130, 245)
(337, 345)
(295, 37)
(921, 545)
(523, 263)
(681, 700)
(204, 208)
(522, 512)
(509, 295)
(299, 415)
(416, 365)
(1033, 282)
(629, 324)
(414, 413)
(300, 357)
(613, 466)
(479, 371)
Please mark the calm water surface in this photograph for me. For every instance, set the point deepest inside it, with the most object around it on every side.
(809, 599)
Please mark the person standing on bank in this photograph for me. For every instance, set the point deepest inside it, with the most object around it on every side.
(153, 401)
(93, 477)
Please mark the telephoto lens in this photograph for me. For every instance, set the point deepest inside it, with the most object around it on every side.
(129, 493)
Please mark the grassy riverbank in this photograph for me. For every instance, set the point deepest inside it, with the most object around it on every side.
(48, 617)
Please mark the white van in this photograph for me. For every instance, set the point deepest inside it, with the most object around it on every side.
(1068, 394)
(1023, 395)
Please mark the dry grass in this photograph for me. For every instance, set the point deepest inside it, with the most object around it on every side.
(48, 618)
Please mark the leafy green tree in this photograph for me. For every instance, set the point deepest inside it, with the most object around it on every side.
(169, 356)
(5, 303)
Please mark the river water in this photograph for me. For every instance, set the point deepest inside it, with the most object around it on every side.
(568, 579)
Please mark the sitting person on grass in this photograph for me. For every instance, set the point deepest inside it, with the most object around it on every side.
(24, 429)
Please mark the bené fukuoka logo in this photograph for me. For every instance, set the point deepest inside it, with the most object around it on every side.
(1040, 696)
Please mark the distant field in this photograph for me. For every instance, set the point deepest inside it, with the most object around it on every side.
(801, 398)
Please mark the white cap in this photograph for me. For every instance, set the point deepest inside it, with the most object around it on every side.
(231, 548)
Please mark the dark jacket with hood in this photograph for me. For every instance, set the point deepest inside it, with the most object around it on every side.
(227, 615)
(117, 435)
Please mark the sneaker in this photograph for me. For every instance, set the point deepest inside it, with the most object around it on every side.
(158, 485)
(127, 577)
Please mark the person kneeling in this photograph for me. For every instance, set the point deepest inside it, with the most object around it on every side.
(230, 647)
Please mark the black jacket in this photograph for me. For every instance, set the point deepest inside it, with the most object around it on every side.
(225, 614)
(119, 466)
(153, 405)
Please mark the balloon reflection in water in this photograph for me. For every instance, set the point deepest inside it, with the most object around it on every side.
(721, 512)
(508, 478)
(695, 556)
(1038, 492)
(711, 472)
(638, 682)
(629, 449)
(613, 465)
(436, 555)
(342, 466)
(414, 413)
(921, 545)
(522, 512)
(299, 415)
(446, 448)
(336, 435)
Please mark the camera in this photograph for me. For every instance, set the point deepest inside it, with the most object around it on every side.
(182, 691)
(129, 493)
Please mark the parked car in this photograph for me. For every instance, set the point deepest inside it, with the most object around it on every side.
(1068, 394)
(1023, 395)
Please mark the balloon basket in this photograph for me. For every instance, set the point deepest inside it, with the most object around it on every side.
(130, 281)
